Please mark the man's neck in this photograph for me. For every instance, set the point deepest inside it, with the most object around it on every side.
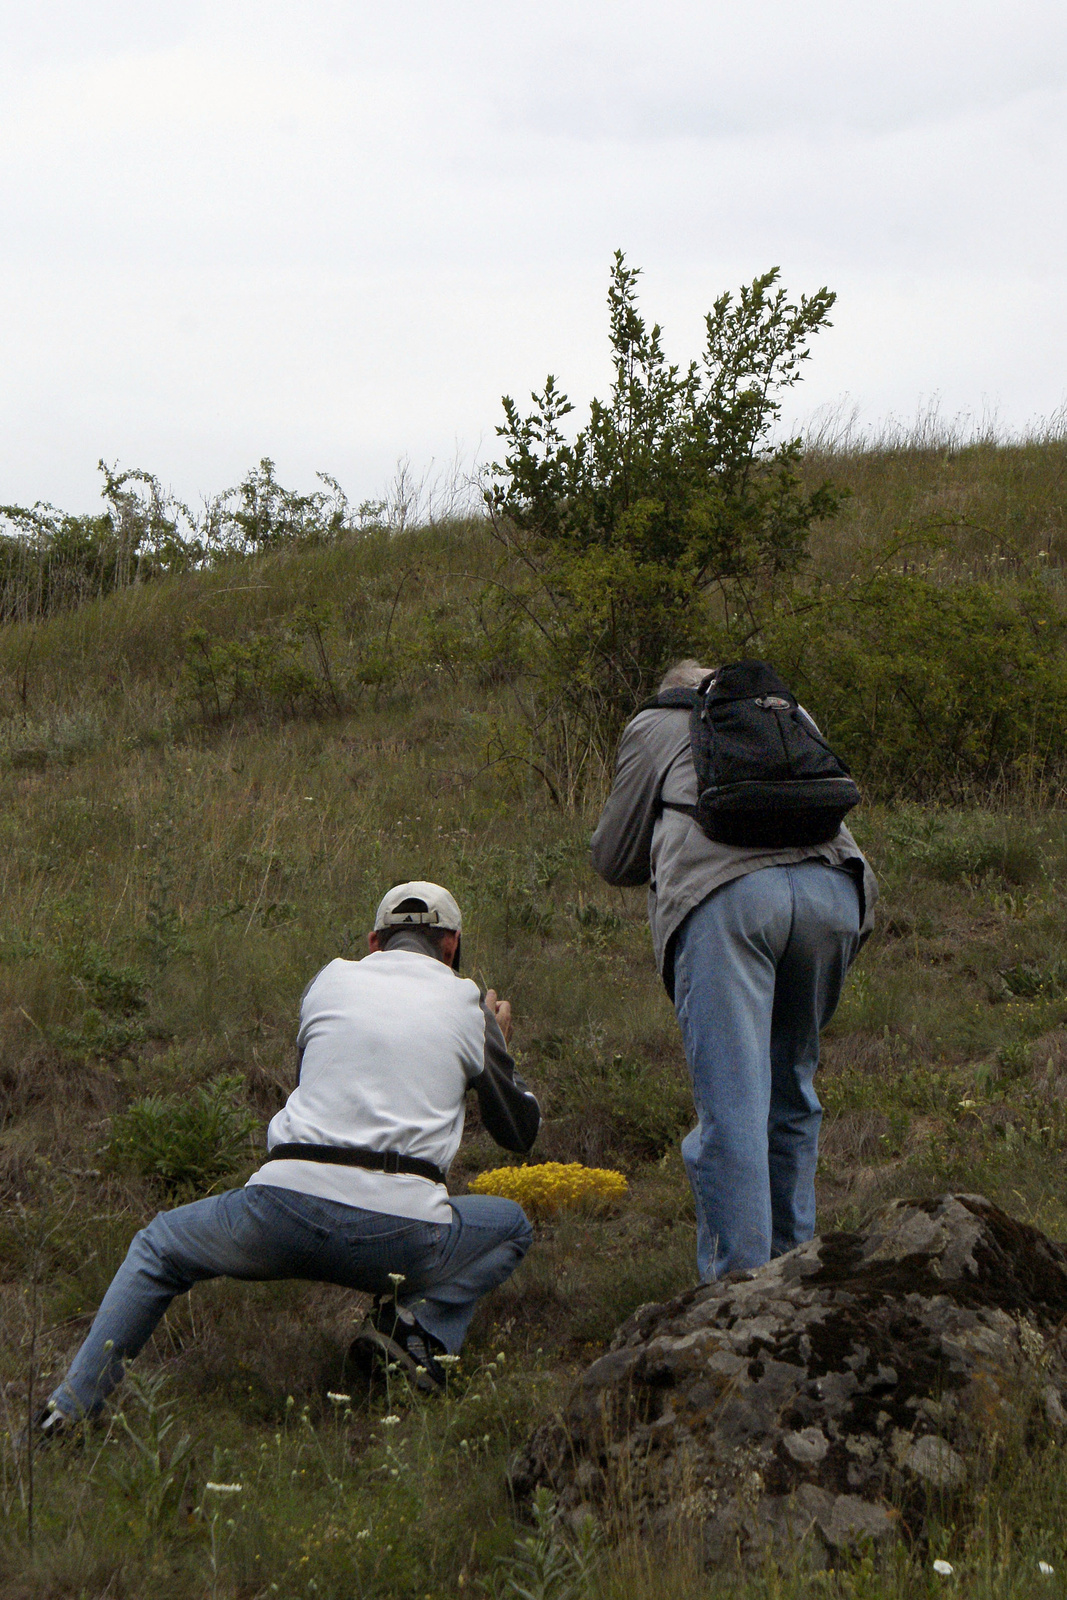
(412, 942)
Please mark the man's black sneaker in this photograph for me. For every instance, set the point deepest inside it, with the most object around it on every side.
(391, 1334)
(47, 1426)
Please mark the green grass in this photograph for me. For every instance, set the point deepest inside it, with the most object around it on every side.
(168, 885)
(1006, 502)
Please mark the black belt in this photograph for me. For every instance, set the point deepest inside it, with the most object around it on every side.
(356, 1155)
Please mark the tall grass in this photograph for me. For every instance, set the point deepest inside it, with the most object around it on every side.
(1004, 501)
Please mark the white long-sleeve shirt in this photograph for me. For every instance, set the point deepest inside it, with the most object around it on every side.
(389, 1046)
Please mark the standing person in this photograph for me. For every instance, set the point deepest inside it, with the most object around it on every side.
(353, 1188)
(753, 943)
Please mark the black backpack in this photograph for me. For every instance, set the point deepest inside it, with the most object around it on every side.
(765, 776)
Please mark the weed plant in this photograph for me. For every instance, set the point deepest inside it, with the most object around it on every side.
(182, 1140)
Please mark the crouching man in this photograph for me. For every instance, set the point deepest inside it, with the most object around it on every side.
(353, 1188)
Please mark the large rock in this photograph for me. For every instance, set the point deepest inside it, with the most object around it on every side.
(825, 1394)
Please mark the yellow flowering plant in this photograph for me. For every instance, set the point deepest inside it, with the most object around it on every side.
(553, 1186)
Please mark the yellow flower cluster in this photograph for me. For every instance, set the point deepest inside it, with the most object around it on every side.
(553, 1186)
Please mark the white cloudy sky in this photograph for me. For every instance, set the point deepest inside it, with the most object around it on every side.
(335, 232)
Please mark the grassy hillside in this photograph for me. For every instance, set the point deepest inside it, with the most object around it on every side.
(206, 782)
(1009, 503)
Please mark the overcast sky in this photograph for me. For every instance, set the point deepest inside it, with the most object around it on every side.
(336, 232)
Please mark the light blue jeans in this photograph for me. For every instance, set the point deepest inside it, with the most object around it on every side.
(263, 1232)
(758, 970)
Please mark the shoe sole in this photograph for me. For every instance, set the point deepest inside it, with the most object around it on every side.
(374, 1339)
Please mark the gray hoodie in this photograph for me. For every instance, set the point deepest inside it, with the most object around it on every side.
(636, 841)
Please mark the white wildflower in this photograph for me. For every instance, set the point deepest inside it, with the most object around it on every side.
(396, 1277)
(223, 1488)
(390, 1421)
(449, 1361)
(364, 1533)
(338, 1399)
(1045, 1570)
(943, 1569)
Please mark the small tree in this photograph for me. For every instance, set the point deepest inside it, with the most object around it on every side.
(51, 561)
(267, 515)
(674, 521)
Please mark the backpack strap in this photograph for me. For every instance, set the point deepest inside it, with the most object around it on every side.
(679, 699)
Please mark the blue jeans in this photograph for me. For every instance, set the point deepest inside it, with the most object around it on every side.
(758, 970)
(263, 1232)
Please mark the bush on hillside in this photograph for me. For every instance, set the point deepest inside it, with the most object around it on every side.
(261, 514)
(674, 508)
(119, 991)
(266, 673)
(52, 561)
(934, 690)
(113, 996)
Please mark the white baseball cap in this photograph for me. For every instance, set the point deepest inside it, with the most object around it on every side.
(418, 905)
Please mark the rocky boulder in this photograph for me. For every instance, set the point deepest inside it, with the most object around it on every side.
(825, 1394)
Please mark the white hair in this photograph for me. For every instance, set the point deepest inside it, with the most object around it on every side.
(684, 675)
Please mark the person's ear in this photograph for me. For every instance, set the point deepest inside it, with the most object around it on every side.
(373, 942)
(449, 946)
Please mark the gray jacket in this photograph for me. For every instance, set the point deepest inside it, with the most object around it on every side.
(636, 841)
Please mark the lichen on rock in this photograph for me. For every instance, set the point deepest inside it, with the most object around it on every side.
(825, 1395)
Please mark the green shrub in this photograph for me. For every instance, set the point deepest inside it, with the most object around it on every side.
(554, 1562)
(934, 689)
(643, 1108)
(110, 1025)
(267, 673)
(1017, 861)
(595, 926)
(116, 990)
(99, 1037)
(183, 1140)
(52, 561)
(678, 508)
(1014, 1060)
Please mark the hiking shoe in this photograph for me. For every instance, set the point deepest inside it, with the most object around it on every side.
(391, 1334)
(47, 1426)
